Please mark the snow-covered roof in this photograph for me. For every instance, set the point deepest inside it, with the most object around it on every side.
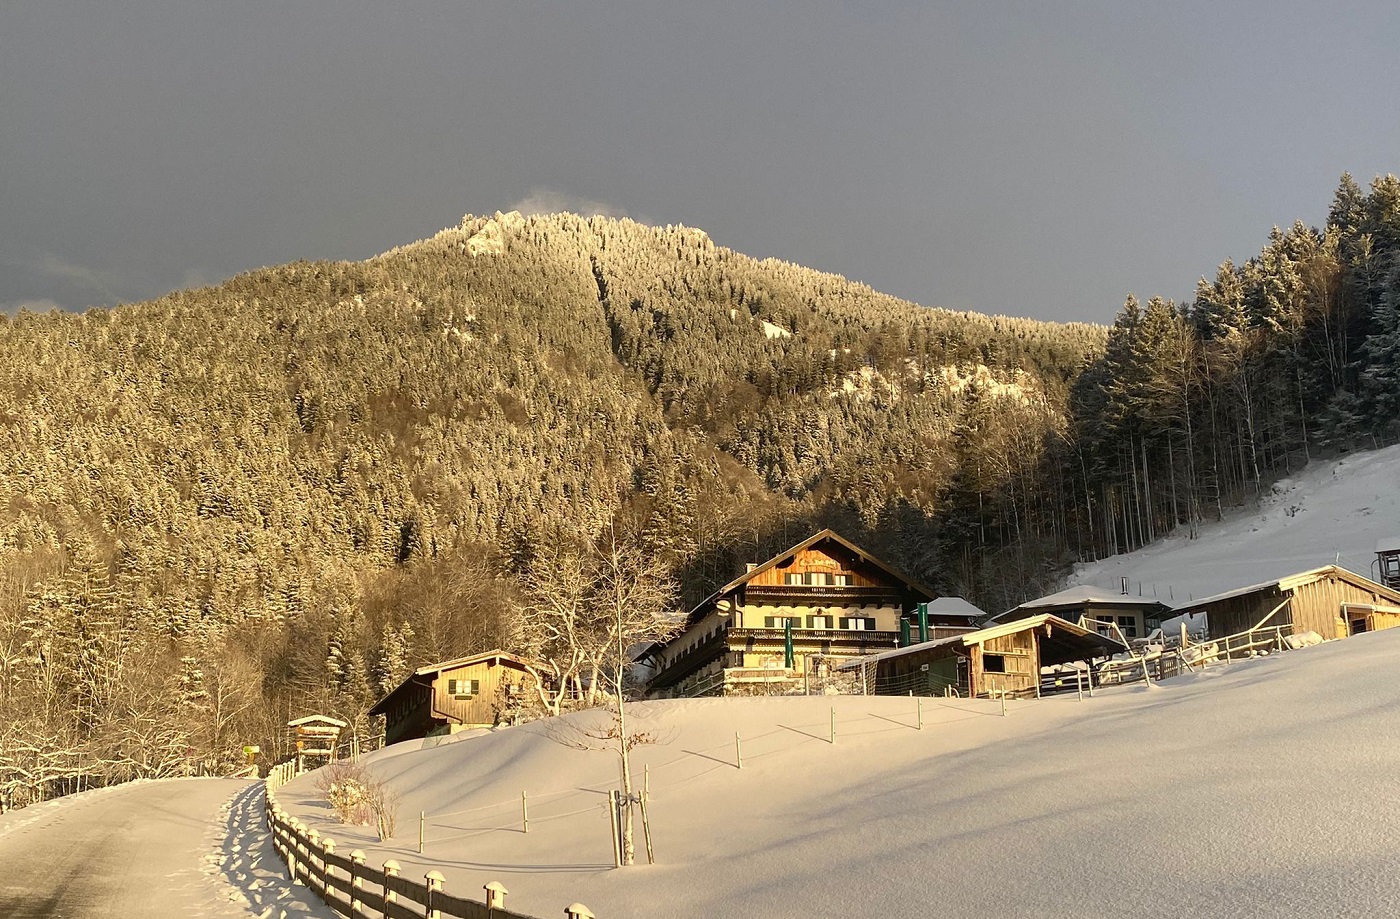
(955, 606)
(968, 639)
(1078, 596)
(1290, 582)
(706, 605)
(316, 719)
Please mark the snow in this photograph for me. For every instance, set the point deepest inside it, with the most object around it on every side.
(1332, 512)
(1253, 789)
(173, 847)
(954, 606)
(1250, 789)
(771, 330)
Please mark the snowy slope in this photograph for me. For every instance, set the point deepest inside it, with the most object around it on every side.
(1331, 513)
(1256, 789)
(167, 848)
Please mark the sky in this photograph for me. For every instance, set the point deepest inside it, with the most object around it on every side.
(1031, 159)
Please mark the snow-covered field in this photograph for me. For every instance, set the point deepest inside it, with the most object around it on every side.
(1332, 512)
(173, 847)
(1263, 788)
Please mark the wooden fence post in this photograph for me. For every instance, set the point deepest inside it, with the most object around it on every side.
(524, 812)
(434, 879)
(422, 829)
(391, 870)
(495, 895)
(833, 724)
(357, 880)
(616, 833)
(738, 752)
(328, 869)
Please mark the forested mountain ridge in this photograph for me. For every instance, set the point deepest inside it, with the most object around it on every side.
(240, 503)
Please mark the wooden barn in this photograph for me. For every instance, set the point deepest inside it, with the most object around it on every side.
(1002, 658)
(1331, 601)
(1137, 617)
(480, 691)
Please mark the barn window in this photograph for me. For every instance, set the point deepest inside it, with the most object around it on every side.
(463, 689)
(993, 663)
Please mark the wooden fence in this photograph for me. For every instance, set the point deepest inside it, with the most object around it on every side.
(357, 890)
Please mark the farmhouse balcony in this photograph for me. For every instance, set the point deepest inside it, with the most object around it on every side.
(846, 639)
(822, 595)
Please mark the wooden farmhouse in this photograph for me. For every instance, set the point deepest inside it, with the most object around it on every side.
(1331, 601)
(1004, 658)
(821, 601)
(1137, 617)
(471, 692)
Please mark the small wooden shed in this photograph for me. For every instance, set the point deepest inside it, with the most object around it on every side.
(1331, 601)
(315, 738)
(1099, 609)
(470, 692)
(1007, 657)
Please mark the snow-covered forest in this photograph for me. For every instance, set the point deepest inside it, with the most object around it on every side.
(240, 503)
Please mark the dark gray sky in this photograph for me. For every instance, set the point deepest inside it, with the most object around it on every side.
(1037, 159)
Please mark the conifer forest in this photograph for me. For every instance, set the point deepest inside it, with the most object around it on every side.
(240, 504)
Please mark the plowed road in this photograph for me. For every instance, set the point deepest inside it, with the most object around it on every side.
(182, 847)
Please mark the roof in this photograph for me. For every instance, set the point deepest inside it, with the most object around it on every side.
(1083, 636)
(1392, 544)
(317, 719)
(698, 611)
(434, 669)
(1298, 580)
(1081, 595)
(955, 606)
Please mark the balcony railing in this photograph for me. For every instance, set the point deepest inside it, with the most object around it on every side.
(846, 636)
(820, 595)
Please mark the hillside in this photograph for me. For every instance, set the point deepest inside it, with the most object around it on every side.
(1254, 789)
(280, 494)
(284, 491)
(1333, 512)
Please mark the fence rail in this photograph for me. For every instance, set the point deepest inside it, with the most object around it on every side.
(358, 890)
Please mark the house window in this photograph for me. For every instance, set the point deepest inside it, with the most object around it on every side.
(463, 689)
(841, 580)
(780, 622)
(993, 663)
(792, 579)
(858, 623)
(1129, 626)
(819, 622)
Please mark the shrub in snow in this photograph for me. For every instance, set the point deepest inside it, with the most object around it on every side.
(357, 797)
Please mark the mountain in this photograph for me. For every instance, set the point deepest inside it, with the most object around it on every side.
(280, 491)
